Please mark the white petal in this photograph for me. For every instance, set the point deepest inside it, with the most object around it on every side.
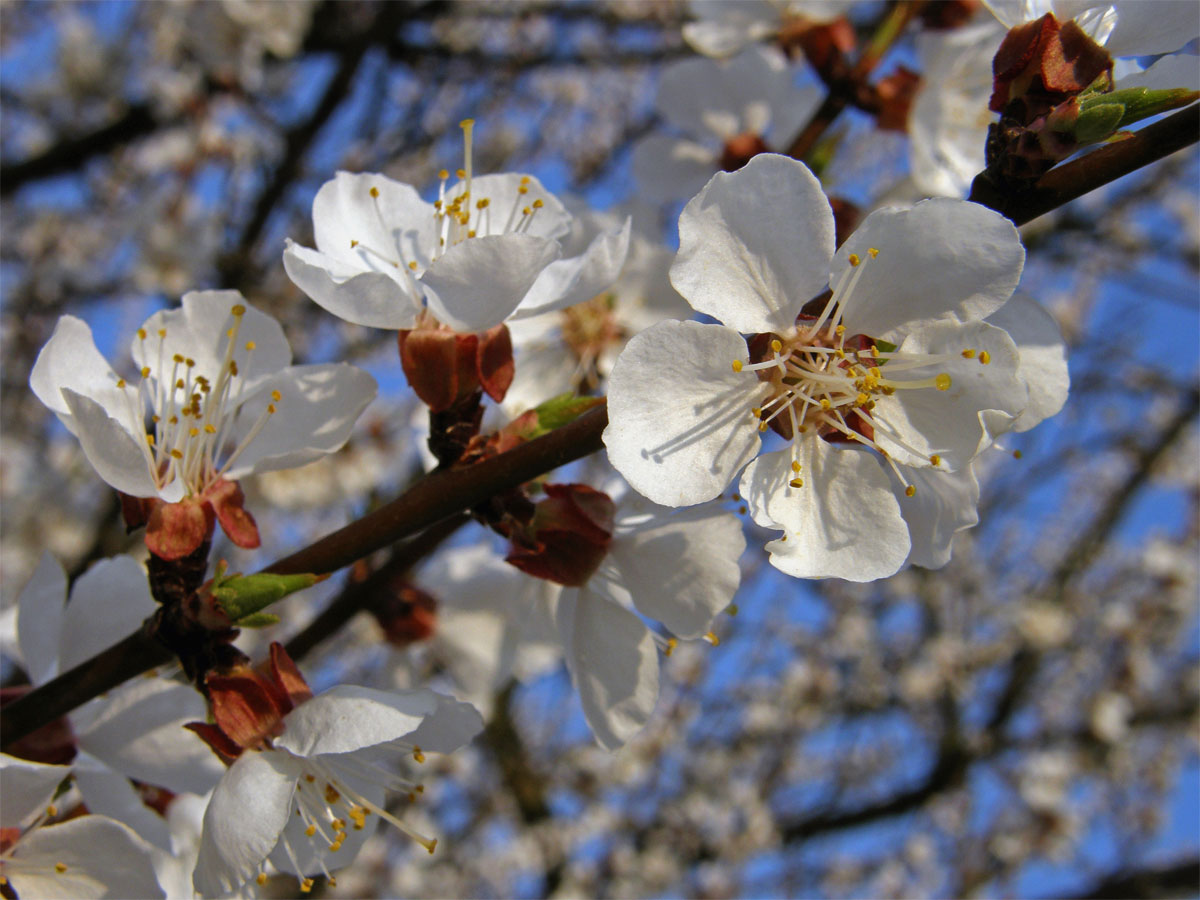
(108, 793)
(613, 664)
(248, 811)
(681, 567)
(27, 788)
(371, 299)
(668, 169)
(110, 600)
(942, 259)
(477, 284)
(139, 731)
(349, 717)
(943, 505)
(114, 451)
(1043, 357)
(507, 200)
(679, 421)
(755, 244)
(724, 99)
(843, 522)
(371, 233)
(197, 330)
(451, 725)
(1180, 71)
(39, 619)
(103, 859)
(566, 282)
(318, 406)
(1147, 29)
(70, 360)
(914, 424)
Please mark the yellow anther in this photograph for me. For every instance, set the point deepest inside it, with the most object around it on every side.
(935, 460)
(310, 830)
(1017, 454)
(776, 345)
(432, 846)
(942, 381)
(193, 431)
(737, 365)
(276, 396)
(141, 334)
(910, 491)
(796, 467)
(337, 824)
(332, 796)
(174, 420)
(757, 412)
(145, 371)
(162, 332)
(526, 211)
(525, 179)
(862, 399)
(150, 439)
(732, 609)
(374, 192)
(60, 867)
(461, 173)
(121, 383)
(310, 778)
(250, 345)
(482, 203)
(443, 174)
(841, 329)
(854, 260)
(177, 358)
(538, 204)
(874, 253)
(306, 884)
(712, 638)
(985, 357)
(270, 409)
(839, 353)
(261, 879)
(418, 755)
(335, 846)
(210, 428)
(825, 404)
(672, 643)
(51, 810)
(796, 483)
(353, 243)
(762, 426)
(874, 372)
(470, 233)
(176, 454)
(420, 790)
(413, 265)
(968, 354)
(331, 881)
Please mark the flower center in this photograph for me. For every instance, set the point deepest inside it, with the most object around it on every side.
(193, 418)
(826, 383)
(589, 329)
(458, 216)
(326, 803)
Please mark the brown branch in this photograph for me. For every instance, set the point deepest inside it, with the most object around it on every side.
(1065, 183)
(1178, 880)
(434, 498)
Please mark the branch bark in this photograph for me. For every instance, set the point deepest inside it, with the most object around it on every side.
(436, 497)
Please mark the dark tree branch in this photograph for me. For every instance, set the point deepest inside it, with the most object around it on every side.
(69, 154)
(434, 498)
(1181, 879)
(1074, 179)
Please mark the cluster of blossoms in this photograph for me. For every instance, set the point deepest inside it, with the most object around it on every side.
(850, 390)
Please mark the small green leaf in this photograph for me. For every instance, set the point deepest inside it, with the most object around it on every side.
(257, 620)
(561, 410)
(240, 596)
